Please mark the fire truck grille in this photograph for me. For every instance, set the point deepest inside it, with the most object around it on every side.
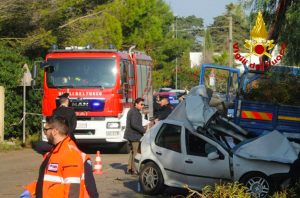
(86, 104)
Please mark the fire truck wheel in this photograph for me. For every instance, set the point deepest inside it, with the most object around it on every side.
(124, 148)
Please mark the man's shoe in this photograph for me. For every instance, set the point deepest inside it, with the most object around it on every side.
(128, 171)
(134, 173)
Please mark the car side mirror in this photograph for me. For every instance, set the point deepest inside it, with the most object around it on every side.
(33, 83)
(34, 71)
(213, 156)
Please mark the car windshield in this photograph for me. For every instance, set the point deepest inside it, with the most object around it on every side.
(75, 73)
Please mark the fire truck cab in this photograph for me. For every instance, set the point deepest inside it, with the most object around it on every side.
(102, 86)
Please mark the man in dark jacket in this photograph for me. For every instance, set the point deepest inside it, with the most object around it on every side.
(134, 131)
(156, 106)
(166, 108)
(65, 111)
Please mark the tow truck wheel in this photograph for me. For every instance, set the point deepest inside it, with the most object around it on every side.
(124, 148)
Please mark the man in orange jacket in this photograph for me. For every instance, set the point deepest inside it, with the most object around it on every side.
(62, 172)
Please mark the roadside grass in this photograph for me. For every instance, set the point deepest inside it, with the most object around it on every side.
(17, 143)
(237, 190)
(4, 146)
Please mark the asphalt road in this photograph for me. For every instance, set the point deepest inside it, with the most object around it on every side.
(19, 168)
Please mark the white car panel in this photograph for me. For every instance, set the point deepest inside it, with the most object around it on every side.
(202, 172)
(242, 166)
(171, 161)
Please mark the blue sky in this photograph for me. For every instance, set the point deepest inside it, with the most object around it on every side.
(206, 9)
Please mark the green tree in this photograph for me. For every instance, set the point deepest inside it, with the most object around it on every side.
(11, 64)
(189, 28)
(209, 48)
(221, 59)
(240, 28)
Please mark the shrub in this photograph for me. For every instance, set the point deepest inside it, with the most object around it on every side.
(278, 86)
(237, 190)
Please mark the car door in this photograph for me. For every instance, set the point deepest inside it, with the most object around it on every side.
(167, 149)
(200, 170)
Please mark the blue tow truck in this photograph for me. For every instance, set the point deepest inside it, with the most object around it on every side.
(256, 117)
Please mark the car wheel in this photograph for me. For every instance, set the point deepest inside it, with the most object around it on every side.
(259, 184)
(151, 179)
(123, 148)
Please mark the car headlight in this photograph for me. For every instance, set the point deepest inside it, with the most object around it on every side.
(113, 125)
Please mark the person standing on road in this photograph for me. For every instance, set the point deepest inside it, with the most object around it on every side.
(62, 172)
(156, 106)
(186, 90)
(66, 112)
(134, 131)
(166, 108)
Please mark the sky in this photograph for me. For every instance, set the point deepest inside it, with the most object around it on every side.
(206, 9)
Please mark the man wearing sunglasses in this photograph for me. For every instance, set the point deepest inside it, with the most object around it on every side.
(134, 131)
(63, 172)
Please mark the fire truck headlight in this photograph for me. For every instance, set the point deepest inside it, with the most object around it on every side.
(113, 125)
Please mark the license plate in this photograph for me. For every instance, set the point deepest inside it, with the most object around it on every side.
(81, 125)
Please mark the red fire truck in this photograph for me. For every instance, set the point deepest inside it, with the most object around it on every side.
(102, 86)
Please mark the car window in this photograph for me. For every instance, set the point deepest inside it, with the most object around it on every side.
(197, 146)
(168, 137)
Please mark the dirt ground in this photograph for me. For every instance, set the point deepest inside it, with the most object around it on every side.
(19, 168)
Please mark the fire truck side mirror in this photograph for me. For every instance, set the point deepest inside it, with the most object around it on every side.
(120, 91)
(131, 82)
(34, 71)
(131, 71)
(33, 83)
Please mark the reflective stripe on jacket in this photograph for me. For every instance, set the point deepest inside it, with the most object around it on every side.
(64, 173)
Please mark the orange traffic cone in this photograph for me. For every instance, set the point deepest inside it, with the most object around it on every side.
(98, 165)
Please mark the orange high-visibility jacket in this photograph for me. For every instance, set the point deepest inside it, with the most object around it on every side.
(64, 173)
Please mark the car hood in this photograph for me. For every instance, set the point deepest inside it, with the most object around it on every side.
(272, 146)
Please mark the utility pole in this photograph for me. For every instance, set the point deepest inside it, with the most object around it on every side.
(173, 28)
(176, 56)
(2, 99)
(203, 51)
(230, 42)
(24, 106)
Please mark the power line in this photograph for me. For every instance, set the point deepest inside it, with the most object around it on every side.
(220, 27)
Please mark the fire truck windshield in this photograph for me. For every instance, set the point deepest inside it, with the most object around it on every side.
(81, 72)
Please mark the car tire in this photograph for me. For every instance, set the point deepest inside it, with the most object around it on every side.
(123, 148)
(259, 184)
(151, 179)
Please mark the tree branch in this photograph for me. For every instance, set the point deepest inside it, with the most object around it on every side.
(67, 24)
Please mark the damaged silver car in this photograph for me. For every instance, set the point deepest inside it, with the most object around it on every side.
(192, 146)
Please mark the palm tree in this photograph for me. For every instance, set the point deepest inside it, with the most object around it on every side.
(221, 59)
